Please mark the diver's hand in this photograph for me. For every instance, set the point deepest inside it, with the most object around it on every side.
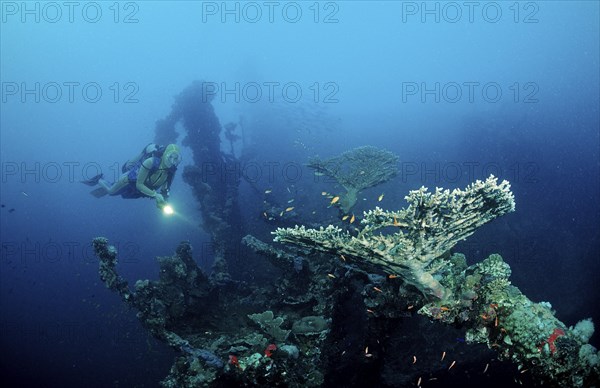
(160, 200)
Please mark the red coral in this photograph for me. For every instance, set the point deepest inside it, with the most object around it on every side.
(270, 349)
(555, 334)
(233, 360)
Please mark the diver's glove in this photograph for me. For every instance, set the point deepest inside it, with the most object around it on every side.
(160, 200)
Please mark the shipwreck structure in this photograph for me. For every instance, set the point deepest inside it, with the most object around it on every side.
(330, 315)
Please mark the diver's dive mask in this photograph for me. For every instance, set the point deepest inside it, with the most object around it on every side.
(173, 159)
(172, 156)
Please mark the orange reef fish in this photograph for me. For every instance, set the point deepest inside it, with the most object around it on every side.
(380, 197)
(352, 219)
(289, 209)
(334, 200)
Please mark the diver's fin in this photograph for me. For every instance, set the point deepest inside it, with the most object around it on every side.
(93, 181)
(99, 192)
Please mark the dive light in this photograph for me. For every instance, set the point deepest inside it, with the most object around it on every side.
(167, 209)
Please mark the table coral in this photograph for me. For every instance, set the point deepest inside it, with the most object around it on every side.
(429, 227)
(357, 170)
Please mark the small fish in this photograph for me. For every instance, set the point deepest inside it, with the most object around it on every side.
(265, 214)
(344, 218)
(452, 365)
(288, 189)
(352, 219)
(370, 311)
(486, 367)
(419, 382)
(496, 322)
(24, 193)
(331, 275)
(317, 173)
(291, 200)
(396, 222)
(289, 209)
(343, 257)
(324, 193)
(268, 191)
(366, 350)
(380, 197)
(414, 359)
(443, 356)
(392, 276)
(444, 308)
(524, 370)
(410, 307)
(377, 289)
(281, 214)
(334, 200)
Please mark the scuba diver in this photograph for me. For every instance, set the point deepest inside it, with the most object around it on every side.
(152, 169)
